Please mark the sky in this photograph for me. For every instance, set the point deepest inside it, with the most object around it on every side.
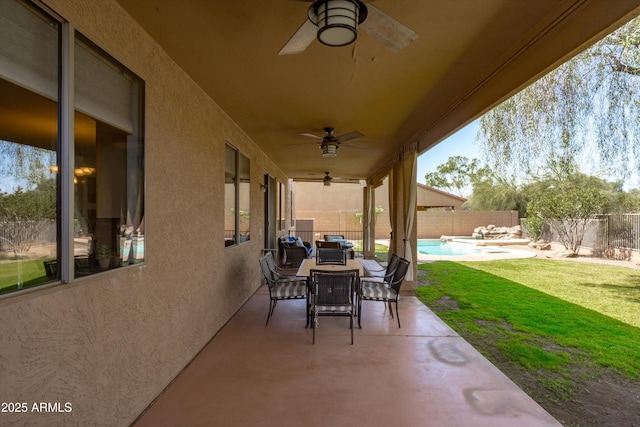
(461, 143)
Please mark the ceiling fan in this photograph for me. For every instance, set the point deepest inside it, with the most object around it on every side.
(329, 143)
(335, 23)
(327, 179)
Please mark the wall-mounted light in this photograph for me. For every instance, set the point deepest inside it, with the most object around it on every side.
(263, 188)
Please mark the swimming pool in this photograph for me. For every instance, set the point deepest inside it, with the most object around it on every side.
(444, 248)
(441, 248)
(430, 250)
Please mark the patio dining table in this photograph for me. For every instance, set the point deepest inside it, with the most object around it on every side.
(310, 264)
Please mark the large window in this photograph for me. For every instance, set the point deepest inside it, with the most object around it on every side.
(71, 178)
(237, 193)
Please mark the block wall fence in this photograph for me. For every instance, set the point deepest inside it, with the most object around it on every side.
(430, 224)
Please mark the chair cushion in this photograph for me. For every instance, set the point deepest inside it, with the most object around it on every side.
(373, 279)
(334, 308)
(289, 289)
(377, 291)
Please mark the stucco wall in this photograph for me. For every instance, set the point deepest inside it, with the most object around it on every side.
(110, 343)
(433, 224)
(333, 208)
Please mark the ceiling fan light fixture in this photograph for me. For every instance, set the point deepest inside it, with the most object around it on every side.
(327, 179)
(329, 150)
(337, 20)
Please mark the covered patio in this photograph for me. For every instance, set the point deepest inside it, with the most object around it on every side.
(226, 127)
(422, 374)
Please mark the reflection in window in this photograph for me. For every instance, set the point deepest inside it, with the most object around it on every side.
(109, 208)
(237, 218)
(28, 147)
(106, 198)
(281, 199)
(244, 207)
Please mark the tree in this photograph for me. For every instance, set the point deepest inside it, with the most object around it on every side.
(24, 214)
(26, 208)
(456, 176)
(357, 217)
(567, 200)
(495, 193)
(591, 100)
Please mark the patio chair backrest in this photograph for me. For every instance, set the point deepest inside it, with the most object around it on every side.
(399, 274)
(327, 244)
(392, 265)
(294, 255)
(271, 263)
(333, 288)
(266, 271)
(334, 256)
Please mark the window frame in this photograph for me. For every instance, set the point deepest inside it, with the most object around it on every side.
(238, 213)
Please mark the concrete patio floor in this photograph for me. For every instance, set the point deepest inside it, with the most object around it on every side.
(423, 374)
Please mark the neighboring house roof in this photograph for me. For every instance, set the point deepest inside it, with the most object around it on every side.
(440, 192)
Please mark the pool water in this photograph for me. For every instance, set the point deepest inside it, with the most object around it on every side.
(438, 247)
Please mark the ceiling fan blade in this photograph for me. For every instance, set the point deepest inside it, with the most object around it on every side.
(301, 39)
(304, 144)
(310, 135)
(357, 144)
(387, 30)
(351, 135)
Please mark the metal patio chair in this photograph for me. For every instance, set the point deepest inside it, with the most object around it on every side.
(334, 256)
(281, 288)
(386, 291)
(332, 295)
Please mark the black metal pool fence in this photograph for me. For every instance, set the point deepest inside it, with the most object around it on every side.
(604, 233)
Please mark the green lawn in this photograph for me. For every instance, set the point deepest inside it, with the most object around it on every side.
(563, 321)
(381, 251)
(28, 272)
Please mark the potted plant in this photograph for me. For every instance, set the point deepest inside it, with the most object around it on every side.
(104, 257)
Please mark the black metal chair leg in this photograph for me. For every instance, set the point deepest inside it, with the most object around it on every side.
(271, 305)
(313, 326)
(351, 325)
(397, 314)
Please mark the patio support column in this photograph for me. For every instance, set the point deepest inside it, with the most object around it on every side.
(402, 202)
(368, 223)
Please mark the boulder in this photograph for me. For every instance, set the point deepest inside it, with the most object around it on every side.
(493, 232)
